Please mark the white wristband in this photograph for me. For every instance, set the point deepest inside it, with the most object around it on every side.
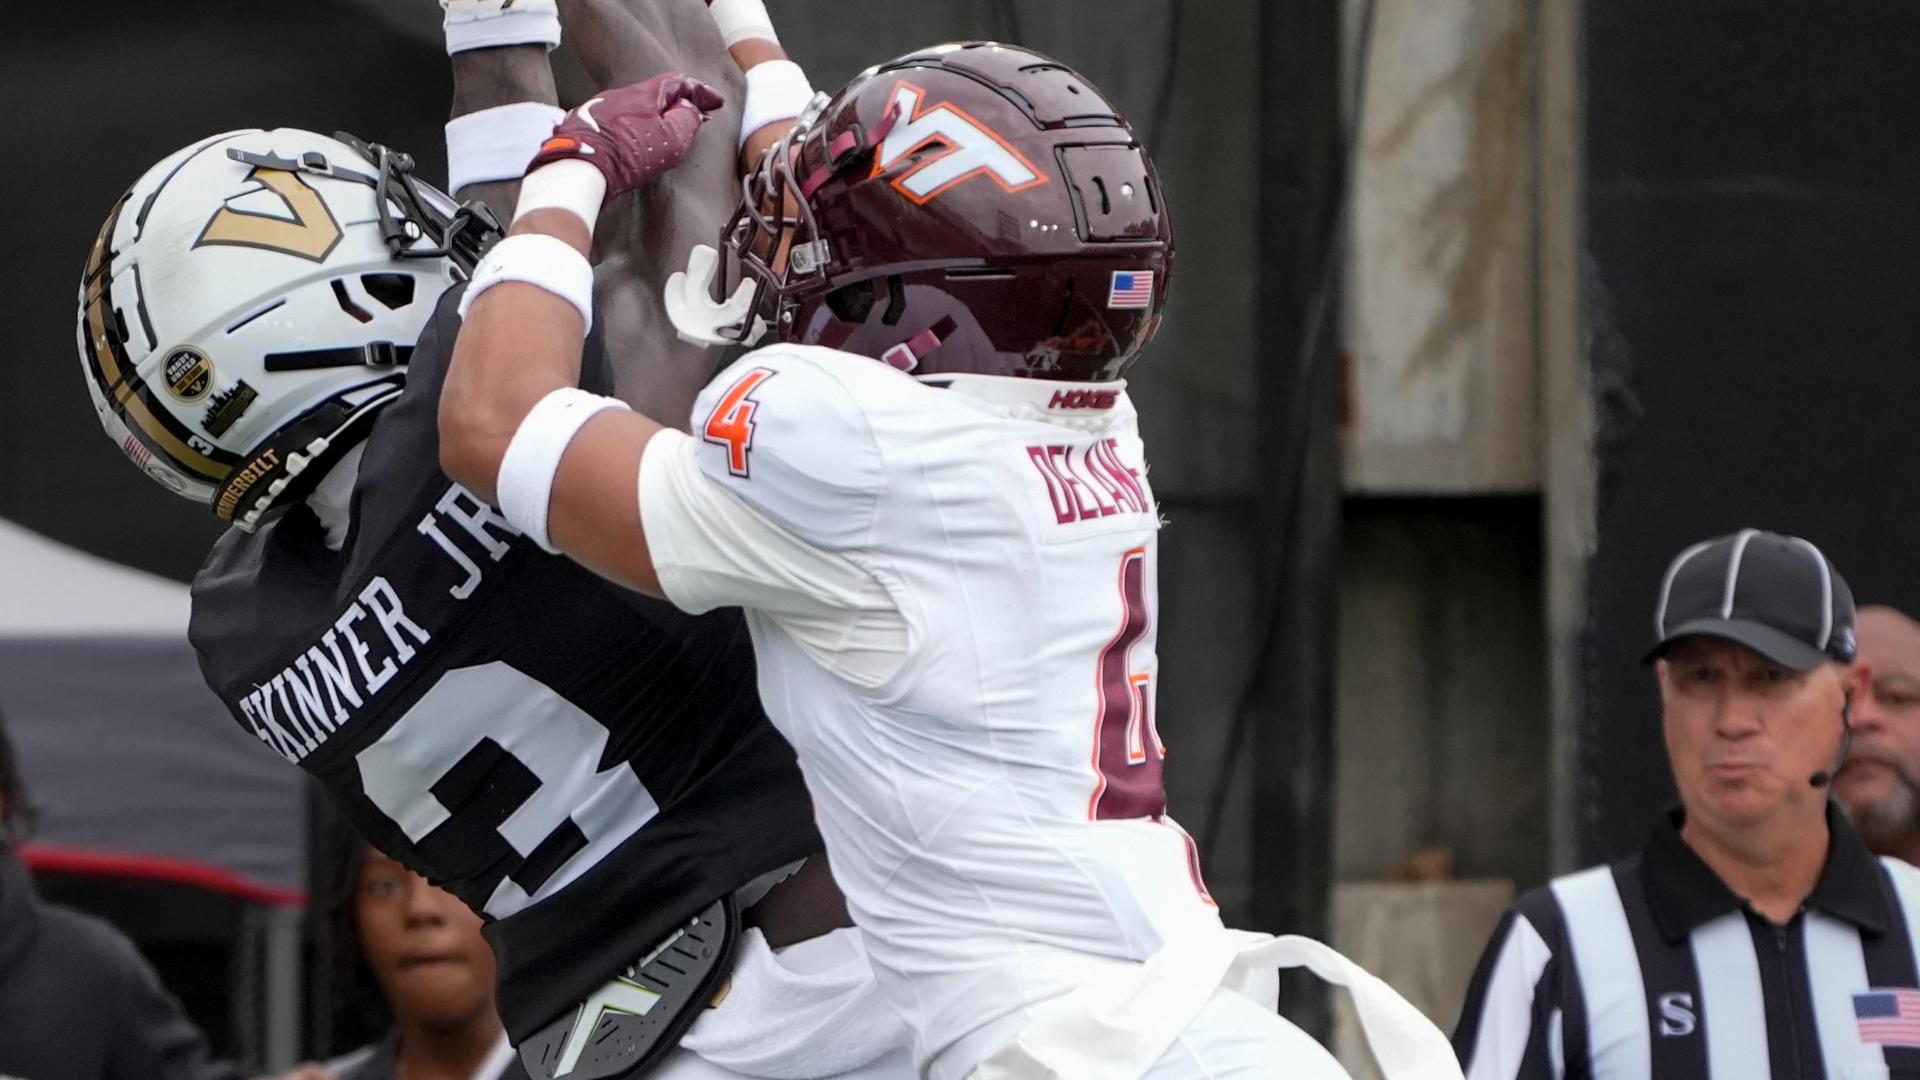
(776, 90)
(569, 184)
(545, 262)
(496, 144)
(488, 24)
(740, 20)
(524, 487)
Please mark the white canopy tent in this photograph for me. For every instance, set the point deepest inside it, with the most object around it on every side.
(48, 589)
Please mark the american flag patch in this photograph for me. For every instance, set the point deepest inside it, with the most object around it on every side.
(1131, 289)
(1888, 1017)
(135, 452)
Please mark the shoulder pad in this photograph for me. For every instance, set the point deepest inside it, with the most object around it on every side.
(785, 430)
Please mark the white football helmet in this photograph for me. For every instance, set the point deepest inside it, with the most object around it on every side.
(251, 303)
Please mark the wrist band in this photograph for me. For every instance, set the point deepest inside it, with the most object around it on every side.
(496, 144)
(776, 90)
(545, 262)
(524, 487)
(570, 184)
(739, 20)
(487, 24)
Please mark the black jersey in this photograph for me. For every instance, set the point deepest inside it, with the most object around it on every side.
(587, 767)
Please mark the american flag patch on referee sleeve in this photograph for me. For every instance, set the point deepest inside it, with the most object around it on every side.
(1888, 1017)
(1131, 289)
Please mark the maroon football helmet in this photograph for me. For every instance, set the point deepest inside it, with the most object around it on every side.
(972, 207)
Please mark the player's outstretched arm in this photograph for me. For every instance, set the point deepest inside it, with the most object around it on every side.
(562, 464)
(500, 97)
(504, 100)
(777, 90)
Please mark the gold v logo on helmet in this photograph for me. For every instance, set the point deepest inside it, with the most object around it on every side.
(311, 233)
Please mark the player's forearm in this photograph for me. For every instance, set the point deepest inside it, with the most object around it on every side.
(486, 79)
(515, 427)
(519, 342)
(504, 99)
(772, 103)
(607, 36)
(562, 465)
(750, 54)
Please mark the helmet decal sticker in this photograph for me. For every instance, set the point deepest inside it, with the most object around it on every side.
(310, 232)
(188, 373)
(227, 406)
(972, 149)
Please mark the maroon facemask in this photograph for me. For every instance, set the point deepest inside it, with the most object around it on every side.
(970, 208)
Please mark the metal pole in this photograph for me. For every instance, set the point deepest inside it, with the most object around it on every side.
(1567, 421)
(1302, 172)
(280, 930)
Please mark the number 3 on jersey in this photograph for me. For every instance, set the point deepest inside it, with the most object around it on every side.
(493, 761)
(731, 423)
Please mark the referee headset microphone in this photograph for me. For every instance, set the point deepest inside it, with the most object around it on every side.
(1825, 776)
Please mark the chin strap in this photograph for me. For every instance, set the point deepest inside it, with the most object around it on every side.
(696, 317)
(907, 355)
(283, 470)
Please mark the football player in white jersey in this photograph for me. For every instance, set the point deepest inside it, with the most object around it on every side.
(931, 498)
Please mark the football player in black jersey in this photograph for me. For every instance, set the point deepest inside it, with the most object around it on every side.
(264, 323)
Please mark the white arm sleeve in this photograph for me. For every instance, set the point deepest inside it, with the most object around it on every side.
(710, 549)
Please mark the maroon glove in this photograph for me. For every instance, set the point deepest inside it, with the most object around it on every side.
(634, 133)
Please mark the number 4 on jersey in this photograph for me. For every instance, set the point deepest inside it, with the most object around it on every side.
(731, 423)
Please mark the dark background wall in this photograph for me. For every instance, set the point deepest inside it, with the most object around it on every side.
(1752, 227)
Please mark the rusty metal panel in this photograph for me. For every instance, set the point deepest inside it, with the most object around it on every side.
(1443, 383)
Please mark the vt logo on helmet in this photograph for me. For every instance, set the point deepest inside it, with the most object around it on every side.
(958, 148)
(969, 208)
(250, 303)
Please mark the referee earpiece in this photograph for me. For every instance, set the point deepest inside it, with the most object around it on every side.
(1825, 776)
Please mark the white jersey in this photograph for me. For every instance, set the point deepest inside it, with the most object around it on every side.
(952, 593)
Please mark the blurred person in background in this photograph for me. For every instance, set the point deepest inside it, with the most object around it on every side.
(423, 951)
(77, 1000)
(1880, 783)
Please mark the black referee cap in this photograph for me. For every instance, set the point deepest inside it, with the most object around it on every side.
(1777, 595)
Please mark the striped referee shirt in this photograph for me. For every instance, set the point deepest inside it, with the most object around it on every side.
(1652, 969)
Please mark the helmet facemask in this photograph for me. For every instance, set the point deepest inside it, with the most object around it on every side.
(774, 239)
(283, 469)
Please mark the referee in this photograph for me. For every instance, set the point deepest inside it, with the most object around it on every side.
(1753, 936)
